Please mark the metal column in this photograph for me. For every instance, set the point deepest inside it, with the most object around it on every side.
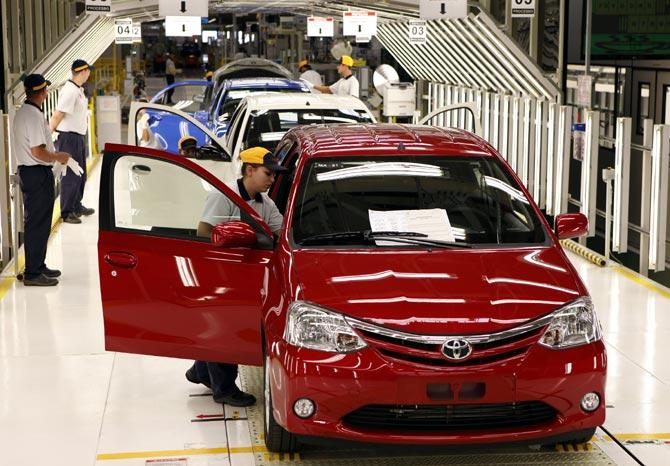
(621, 184)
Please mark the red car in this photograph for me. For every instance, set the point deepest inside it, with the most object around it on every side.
(416, 294)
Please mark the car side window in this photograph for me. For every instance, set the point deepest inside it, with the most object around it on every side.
(161, 198)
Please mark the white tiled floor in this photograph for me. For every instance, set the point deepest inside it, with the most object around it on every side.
(64, 401)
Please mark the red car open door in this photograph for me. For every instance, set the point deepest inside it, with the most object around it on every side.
(165, 290)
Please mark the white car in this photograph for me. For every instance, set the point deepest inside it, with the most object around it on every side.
(262, 119)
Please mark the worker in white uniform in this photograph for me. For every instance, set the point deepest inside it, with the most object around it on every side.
(348, 84)
(70, 120)
(35, 156)
(308, 74)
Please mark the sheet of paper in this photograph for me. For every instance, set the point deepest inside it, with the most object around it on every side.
(432, 222)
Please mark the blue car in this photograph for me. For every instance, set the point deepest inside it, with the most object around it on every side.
(194, 97)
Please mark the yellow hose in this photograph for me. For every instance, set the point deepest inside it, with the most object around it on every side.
(587, 254)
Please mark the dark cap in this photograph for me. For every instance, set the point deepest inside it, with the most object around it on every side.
(81, 65)
(187, 142)
(35, 82)
(261, 156)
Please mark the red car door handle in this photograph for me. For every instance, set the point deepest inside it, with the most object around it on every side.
(121, 259)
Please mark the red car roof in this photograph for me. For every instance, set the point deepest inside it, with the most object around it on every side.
(371, 139)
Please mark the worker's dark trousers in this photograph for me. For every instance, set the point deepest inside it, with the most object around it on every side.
(72, 185)
(37, 186)
(169, 79)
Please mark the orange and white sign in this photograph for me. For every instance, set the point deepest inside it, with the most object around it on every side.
(359, 23)
(320, 27)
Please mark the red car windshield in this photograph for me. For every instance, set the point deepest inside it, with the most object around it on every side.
(454, 200)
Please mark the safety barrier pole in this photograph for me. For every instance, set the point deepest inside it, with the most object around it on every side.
(608, 178)
(589, 170)
(621, 184)
(660, 156)
(645, 198)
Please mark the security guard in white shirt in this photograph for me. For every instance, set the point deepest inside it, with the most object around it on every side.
(35, 155)
(348, 84)
(70, 119)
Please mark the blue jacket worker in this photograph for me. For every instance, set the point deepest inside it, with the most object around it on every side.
(35, 155)
(70, 120)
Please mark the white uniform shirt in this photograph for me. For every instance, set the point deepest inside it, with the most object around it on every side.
(219, 208)
(346, 86)
(30, 129)
(312, 77)
(74, 104)
(169, 67)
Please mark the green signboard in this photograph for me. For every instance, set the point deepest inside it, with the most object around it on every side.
(631, 28)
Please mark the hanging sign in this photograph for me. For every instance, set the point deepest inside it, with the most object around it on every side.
(183, 8)
(320, 27)
(443, 9)
(362, 23)
(137, 32)
(523, 8)
(98, 7)
(123, 31)
(183, 26)
(418, 32)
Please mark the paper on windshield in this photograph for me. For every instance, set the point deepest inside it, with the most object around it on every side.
(432, 222)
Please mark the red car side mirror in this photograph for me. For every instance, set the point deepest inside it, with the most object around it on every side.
(571, 225)
(233, 234)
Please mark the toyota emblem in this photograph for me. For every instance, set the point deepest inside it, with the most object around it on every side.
(457, 349)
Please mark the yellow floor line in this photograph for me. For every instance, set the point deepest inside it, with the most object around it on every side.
(7, 282)
(185, 452)
(642, 281)
(656, 436)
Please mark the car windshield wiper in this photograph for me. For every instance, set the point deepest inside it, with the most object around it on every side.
(362, 235)
(407, 237)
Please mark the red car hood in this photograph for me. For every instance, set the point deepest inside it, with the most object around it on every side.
(440, 292)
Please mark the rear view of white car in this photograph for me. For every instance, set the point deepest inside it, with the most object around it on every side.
(262, 119)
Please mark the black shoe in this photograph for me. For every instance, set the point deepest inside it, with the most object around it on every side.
(192, 377)
(71, 218)
(50, 273)
(86, 211)
(237, 398)
(40, 280)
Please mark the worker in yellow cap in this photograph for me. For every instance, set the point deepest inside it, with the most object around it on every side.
(259, 167)
(348, 84)
(209, 75)
(188, 146)
(308, 74)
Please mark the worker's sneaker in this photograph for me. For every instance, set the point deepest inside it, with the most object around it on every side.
(236, 398)
(86, 211)
(40, 280)
(50, 273)
(71, 218)
(192, 377)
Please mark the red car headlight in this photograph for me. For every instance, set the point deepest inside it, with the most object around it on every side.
(310, 326)
(573, 325)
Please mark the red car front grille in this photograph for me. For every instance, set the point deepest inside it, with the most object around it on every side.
(453, 417)
(427, 350)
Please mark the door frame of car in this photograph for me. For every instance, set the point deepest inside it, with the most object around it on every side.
(470, 106)
(135, 107)
(129, 243)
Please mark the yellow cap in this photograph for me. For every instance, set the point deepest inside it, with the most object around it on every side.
(347, 61)
(209, 74)
(254, 155)
(302, 63)
(187, 141)
(261, 156)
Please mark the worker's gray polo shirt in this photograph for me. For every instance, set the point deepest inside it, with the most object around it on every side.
(219, 208)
